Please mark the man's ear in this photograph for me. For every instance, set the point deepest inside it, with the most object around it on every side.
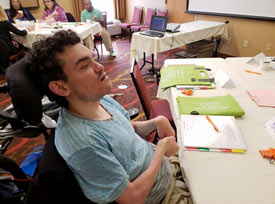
(59, 88)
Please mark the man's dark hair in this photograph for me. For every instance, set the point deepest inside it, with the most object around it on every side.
(44, 64)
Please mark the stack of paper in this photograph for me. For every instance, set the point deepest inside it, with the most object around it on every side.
(264, 98)
(198, 133)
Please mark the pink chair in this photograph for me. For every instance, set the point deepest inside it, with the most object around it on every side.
(162, 12)
(150, 12)
(151, 108)
(136, 20)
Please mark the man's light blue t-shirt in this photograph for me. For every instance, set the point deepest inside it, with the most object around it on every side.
(85, 14)
(105, 155)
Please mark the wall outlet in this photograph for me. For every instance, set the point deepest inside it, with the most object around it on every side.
(245, 43)
(229, 40)
(268, 47)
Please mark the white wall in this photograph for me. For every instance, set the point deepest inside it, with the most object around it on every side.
(150, 3)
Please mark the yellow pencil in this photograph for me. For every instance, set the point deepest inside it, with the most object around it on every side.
(253, 72)
(211, 122)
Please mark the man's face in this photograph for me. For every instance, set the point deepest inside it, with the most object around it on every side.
(88, 5)
(86, 79)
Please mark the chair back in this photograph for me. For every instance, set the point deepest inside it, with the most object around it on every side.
(70, 17)
(137, 14)
(162, 12)
(25, 96)
(150, 12)
(104, 23)
(56, 177)
(141, 88)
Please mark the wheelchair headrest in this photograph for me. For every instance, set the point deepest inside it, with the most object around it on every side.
(25, 94)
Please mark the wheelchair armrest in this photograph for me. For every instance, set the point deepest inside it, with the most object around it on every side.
(133, 113)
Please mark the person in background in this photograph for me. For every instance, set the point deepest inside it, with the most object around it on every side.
(16, 11)
(95, 15)
(109, 165)
(8, 46)
(53, 12)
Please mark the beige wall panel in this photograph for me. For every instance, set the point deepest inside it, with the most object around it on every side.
(176, 12)
(258, 33)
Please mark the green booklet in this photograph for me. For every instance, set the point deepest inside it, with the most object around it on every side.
(219, 105)
(188, 74)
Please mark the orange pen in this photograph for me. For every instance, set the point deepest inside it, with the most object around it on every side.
(211, 122)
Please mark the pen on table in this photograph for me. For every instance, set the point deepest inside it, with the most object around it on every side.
(211, 122)
(253, 72)
(195, 88)
(207, 69)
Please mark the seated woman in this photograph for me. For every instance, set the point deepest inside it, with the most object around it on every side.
(53, 12)
(8, 46)
(16, 11)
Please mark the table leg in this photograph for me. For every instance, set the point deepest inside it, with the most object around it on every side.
(146, 61)
(152, 70)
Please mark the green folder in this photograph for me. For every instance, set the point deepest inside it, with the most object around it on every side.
(184, 75)
(219, 105)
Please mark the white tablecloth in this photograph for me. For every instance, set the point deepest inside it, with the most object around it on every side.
(215, 177)
(265, 81)
(82, 29)
(188, 33)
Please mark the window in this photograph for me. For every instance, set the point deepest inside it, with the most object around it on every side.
(105, 5)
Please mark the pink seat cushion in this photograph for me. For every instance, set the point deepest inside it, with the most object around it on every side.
(144, 28)
(126, 25)
(138, 28)
(161, 13)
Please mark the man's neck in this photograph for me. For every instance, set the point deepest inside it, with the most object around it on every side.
(92, 111)
(91, 10)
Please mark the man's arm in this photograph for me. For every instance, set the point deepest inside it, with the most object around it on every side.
(82, 17)
(160, 123)
(138, 190)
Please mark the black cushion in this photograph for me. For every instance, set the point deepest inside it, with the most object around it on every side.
(56, 177)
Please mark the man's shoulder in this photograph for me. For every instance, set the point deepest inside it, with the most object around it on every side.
(96, 10)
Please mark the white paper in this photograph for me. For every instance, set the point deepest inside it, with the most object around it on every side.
(270, 127)
(223, 80)
(198, 132)
(256, 60)
(272, 65)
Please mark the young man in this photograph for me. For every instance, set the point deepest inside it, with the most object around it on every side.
(95, 15)
(94, 135)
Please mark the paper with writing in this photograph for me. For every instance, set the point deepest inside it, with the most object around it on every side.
(198, 132)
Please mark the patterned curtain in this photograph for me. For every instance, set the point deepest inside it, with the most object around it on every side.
(79, 6)
(120, 9)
